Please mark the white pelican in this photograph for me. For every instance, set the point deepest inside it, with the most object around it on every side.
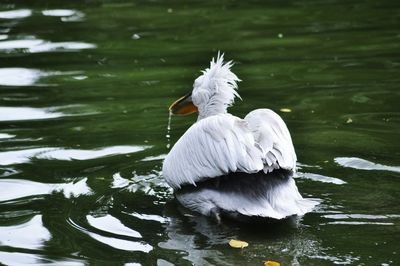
(227, 165)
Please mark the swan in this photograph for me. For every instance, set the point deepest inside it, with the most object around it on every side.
(227, 166)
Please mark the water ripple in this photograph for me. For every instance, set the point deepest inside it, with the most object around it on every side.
(27, 113)
(154, 158)
(345, 260)
(8, 172)
(39, 46)
(321, 178)
(20, 156)
(18, 76)
(67, 15)
(361, 164)
(360, 216)
(31, 234)
(75, 154)
(11, 189)
(122, 244)
(187, 243)
(15, 14)
(17, 258)
(59, 12)
(114, 242)
(25, 156)
(361, 219)
(151, 184)
(119, 181)
(359, 223)
(149, 217)
(6, 136)
(112, 225)
(303, 165)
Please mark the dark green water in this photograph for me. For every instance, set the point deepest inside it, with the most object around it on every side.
(84, 91)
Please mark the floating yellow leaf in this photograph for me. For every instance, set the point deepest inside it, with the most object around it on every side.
(285, 110)
(271, 263)
(238, 244)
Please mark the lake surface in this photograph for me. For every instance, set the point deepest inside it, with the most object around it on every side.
(84, 92)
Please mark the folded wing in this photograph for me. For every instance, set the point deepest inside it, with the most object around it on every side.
(223, 144)
(212, 147)
(273, 138)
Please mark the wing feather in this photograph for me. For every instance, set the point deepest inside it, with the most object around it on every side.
(223, 144)
(214, 146)
(273, 137)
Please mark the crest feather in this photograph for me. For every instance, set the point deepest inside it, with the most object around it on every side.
(221, 78)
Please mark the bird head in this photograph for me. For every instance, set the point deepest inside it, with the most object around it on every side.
(213, 91)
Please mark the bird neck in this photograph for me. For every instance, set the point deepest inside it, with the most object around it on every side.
(214, 107)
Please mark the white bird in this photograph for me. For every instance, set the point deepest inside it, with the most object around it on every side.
(227, 165)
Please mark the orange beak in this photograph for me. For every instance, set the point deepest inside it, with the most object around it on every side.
(183, 106)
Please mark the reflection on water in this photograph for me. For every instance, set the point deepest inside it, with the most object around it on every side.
(21, 156)
(30, 235)
(359, 223)
(15, 14)
(286, 242)
(11, 189)
(112, 225)
(24, 156)
(185, 242)
(66, 15)
(149, 217)
(17, 76)
(152, 184)
(17, 258)
(154, 158)
(362, 219)
(39, 46)
(6, 136)
(8, 172)
(360, 216)
(59, 12)
(361, 164)
(119, 181)
(27, 113)
(114, 242)
(321, 178)
(121, 244)
(75, 154)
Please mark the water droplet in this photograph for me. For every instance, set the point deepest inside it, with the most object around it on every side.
(168, 135)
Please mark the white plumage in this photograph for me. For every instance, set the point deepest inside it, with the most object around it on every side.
(219, 144)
